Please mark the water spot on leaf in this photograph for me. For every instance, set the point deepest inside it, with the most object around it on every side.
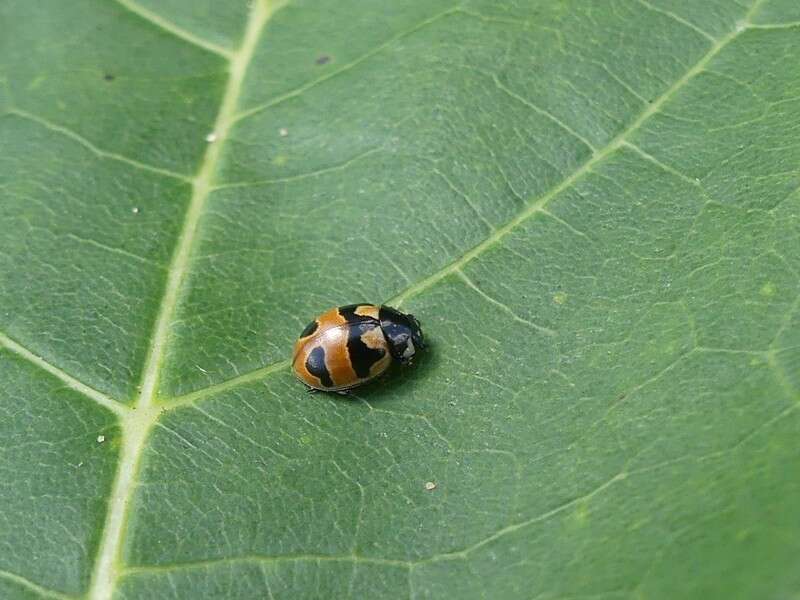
(36, 82)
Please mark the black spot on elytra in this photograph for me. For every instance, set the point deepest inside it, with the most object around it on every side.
(315, 363)
(362, 357)
(309, 329)
(348, 313)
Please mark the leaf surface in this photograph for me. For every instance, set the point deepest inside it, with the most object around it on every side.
(593, 209)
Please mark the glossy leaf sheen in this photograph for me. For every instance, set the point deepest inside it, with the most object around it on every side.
(592, 207)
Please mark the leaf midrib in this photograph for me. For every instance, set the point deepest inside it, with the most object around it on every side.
(136, 426)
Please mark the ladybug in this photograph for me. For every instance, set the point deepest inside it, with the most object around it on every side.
(351, 345)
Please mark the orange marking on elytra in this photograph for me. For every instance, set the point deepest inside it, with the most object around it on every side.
(368, 310)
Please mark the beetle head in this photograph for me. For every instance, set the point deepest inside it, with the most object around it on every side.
(402, 332)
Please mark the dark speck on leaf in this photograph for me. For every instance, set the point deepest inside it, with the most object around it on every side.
(323, 60)
(108, 77)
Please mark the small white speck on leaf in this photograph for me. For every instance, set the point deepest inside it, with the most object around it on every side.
(135, 210)
(283, 132)
(101, 439)
(430, 486)
(211, 137)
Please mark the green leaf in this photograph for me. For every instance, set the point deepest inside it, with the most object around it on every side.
(592, 207)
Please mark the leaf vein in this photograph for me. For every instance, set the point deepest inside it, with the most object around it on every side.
(535, 207)
(344, 68)
(256, 559)
(301, 176)
(678, 19)
(136, 428)
(465, 197)
(22, 114)
(664, 167)
(33, 587)
(538, 110)
(505, 308)
(100, 398)
(463, 553)
(114, 250)
(254, 375)
(165, 25)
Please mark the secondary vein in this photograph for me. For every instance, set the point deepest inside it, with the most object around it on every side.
(539, 204)
(91, 393)
(161, 23)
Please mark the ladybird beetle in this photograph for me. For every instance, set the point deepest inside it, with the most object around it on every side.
(350, 345)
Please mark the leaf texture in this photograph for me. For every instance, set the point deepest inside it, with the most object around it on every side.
(592, 207)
